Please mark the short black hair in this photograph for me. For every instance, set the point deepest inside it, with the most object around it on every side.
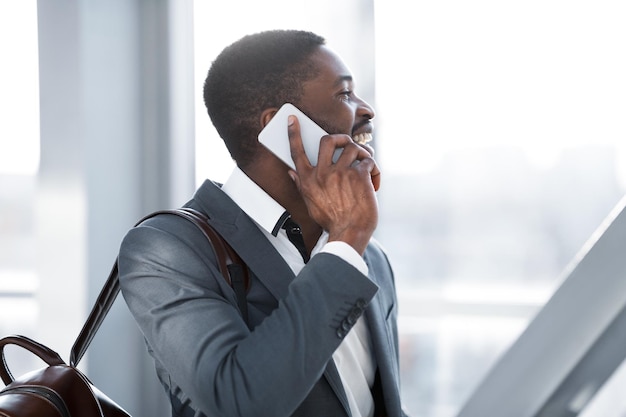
(257, 72)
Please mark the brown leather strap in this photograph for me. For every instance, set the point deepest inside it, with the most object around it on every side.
(44, 353)
(231, 265)
(226, 257)
(103, 304)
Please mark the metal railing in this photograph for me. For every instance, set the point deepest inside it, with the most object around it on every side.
(574, 343)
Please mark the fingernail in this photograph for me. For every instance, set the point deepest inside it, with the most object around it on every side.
(292, 175)
(291, 120)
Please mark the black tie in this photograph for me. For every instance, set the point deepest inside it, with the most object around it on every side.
(294, 233)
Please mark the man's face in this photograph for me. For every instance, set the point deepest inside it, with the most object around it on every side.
(330, 100)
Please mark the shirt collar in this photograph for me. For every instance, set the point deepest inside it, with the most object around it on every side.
(255, 202)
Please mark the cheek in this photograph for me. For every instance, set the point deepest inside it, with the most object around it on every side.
(338, 122)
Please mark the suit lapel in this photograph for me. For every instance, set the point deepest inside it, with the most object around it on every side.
(245, 238)
(382, 342)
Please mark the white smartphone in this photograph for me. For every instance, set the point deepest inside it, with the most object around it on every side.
(275, 138)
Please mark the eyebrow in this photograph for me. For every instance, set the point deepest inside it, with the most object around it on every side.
(343, 78)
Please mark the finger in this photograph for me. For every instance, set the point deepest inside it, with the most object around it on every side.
(295, 143)
(352, 153)
(328, 145)
(375, 179)
(369, 164)
(375, 173)
(367, 148)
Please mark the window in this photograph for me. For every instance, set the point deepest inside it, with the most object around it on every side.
(19, 159)
(502, 144)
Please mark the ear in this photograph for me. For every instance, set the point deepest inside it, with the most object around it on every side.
(267, 115)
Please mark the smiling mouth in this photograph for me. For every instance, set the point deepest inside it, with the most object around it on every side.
(362, 138)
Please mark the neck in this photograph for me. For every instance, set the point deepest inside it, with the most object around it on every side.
(276, 182)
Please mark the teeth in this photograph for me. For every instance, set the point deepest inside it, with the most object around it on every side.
(362, 138)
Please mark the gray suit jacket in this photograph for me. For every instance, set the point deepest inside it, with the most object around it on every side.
(208, 359)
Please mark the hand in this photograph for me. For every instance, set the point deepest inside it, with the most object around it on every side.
(341, 196)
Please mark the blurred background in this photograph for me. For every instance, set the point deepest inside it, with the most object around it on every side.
(500, 133)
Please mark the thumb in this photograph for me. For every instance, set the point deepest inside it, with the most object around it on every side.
(294, 177)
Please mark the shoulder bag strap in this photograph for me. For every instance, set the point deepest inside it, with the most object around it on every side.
(230, 264)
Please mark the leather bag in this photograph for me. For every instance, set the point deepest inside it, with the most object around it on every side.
(61, 390)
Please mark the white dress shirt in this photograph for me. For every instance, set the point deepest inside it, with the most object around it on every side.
(354, 358)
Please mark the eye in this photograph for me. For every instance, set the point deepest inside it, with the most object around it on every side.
(345, 95)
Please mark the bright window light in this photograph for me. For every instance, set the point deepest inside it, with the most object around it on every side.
(541, 76)
(19, 84)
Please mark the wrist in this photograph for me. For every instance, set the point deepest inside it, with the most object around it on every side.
(357, 239)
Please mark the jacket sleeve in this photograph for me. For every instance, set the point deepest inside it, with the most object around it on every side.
(194, 330)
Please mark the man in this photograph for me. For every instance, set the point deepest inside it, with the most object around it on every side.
(320, 338)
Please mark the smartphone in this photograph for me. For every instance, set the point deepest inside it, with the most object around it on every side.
(275, 138)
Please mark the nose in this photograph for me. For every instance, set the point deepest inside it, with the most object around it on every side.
(365, 110)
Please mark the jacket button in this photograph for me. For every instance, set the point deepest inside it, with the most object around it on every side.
(345, 325)
(340, 334)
